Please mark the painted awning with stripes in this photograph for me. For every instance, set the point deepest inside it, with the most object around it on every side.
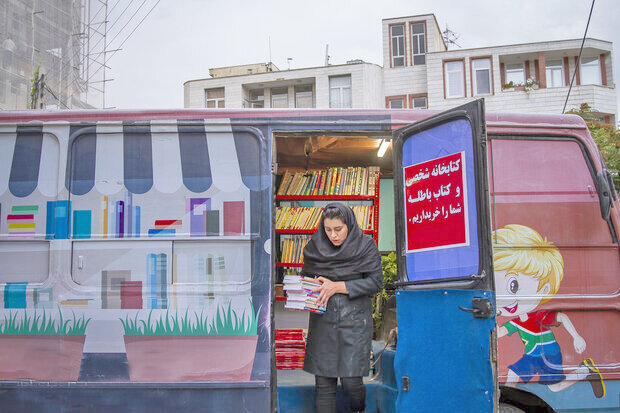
(112, 156)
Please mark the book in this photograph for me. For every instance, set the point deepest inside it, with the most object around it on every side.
(211, 222)
(120, 219)
(131, 294)
(136, 221)
(81, 224)
(311, 184)
(197, 207)
(286, 180)
(234, 218)
(104, 216)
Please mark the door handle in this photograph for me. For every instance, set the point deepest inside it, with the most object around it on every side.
(481, 307)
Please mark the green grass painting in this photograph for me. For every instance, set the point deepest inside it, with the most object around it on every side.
(38, 324)
(226, 322)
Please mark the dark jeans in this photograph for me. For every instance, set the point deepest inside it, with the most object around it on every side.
(326, 393)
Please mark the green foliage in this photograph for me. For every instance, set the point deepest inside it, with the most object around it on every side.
(388, 264)
(226, 322)
(607, 138)
(43, 325)
(34, 88)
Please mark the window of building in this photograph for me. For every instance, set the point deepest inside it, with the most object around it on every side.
(481, 76)
(418, 43)
(257, 99)
(304, 97)
(396, 103)
(515, 74)
(555, 73)
(590, 71)
(340, 91)
(454, 79)
(419, 103)
(397, 34)
(279, 97)
(214, 98)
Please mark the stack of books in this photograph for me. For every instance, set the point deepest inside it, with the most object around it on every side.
(300, 294)
(290, 348)
(332, 181)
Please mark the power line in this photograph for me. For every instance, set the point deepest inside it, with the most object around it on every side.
(113, 23)
(55, 97)
(129, 21)
(125, 40)
(579, 58)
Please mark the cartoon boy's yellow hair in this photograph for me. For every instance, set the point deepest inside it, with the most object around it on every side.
(517, 248)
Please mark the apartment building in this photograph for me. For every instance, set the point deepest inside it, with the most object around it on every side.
(420, 72)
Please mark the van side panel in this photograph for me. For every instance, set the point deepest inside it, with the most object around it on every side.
(147, 261)
(545, 185)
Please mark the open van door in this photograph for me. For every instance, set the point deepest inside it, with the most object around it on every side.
(446, 354)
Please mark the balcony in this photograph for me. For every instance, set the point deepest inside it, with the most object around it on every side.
(602, 98)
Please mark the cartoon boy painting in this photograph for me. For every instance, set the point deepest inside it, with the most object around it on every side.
(528, 272)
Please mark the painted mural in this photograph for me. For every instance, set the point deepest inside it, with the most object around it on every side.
(528, 272)
(135, 261)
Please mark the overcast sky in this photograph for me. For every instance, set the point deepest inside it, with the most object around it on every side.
(181, 39)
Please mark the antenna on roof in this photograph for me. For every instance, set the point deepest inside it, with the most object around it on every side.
(270, 49)
(450, 37)
(327, 54)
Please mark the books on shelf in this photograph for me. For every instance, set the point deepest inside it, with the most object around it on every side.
(364, 214)
(307, 218)
(297, 218)
(300, 294)
(336, 180)
(293, 249)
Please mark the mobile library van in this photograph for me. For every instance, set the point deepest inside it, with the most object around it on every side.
(138, 258)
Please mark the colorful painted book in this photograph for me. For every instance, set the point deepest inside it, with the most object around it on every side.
(234, 218)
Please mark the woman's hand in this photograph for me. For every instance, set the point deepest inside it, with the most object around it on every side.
(327, 289)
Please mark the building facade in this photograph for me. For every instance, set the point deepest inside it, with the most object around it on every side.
(420, 72)
(52, 54)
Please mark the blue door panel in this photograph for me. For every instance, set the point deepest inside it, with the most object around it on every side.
(441, 348)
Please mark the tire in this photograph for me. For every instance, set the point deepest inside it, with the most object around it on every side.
(509, 408)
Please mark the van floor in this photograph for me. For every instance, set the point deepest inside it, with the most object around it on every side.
(296, 390)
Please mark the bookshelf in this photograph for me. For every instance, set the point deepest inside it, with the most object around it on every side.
(295, 223)
(300, 199)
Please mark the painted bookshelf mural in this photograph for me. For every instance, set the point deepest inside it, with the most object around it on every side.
(157, 223)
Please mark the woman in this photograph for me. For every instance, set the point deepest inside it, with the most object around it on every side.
(348, 265)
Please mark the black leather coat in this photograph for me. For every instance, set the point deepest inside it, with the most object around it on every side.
(339, 340)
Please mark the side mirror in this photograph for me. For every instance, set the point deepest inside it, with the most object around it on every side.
(610, 182)
(604, 195)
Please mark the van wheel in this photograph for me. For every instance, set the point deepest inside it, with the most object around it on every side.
(509, 408)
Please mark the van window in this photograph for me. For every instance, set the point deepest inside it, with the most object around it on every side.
(547, 185)
(132, 181)
(164, 206)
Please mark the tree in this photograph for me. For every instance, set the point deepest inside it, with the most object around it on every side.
(607, 138)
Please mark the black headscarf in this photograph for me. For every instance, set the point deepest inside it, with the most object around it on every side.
(357, 255)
